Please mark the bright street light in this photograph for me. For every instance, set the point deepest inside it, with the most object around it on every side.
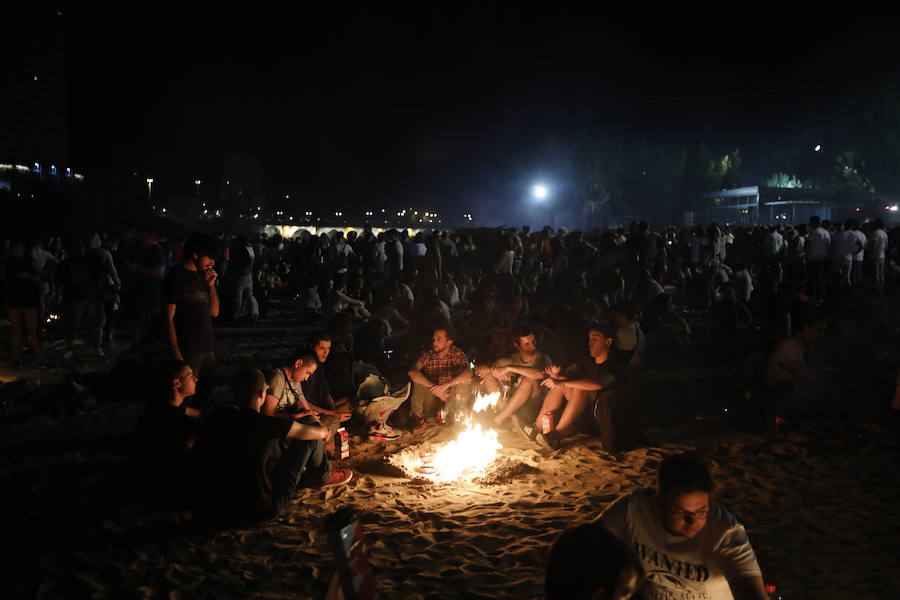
(818, 147)
(539, 191)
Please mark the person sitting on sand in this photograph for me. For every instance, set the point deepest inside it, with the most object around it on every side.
(287, 395)
(250, 464)
(588, 562)
(435, 374)
(788, 378)
(158, 465)
(525, 369)
(689, 546)
(576, 387)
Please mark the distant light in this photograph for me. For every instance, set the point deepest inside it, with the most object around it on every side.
(197, 182)
(35, 77)
(818, 147)
(539, 191)
(857, 209)
(256, 216)
(287, 196)
(227, 182)
(149, 180)
(164, 210)
(894, 208)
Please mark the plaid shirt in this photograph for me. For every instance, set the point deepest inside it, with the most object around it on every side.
(441, 369)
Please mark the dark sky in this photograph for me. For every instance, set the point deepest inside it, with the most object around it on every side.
(356, 105)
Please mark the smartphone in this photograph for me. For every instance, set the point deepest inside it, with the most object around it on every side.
(351, 555)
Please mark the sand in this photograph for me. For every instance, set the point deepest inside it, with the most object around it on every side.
(819, 506)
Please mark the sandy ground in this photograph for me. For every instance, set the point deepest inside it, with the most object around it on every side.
(819, 505)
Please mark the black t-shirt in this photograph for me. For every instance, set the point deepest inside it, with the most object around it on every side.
(316, 389)
(159, 446)
(188, 291)
(603, 373)
(236, 454)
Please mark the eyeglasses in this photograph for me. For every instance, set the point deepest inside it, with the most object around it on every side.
(697, 515)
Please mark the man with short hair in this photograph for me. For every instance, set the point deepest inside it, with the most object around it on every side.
(316, 388)
(525, 369)
(817, 243)
(689, 547)
(190, 302)
(434, 375)
(844, 244)
(251, 464)
(573, 389)
(877, 254)
(158, 464)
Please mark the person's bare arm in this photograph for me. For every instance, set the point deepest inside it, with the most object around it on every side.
(169, 316)
(502, 373)
(748, 588)
(417, 376)
(210, 276)
(268, 405)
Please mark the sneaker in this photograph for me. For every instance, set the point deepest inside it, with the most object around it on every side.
(529, 432)
(418, 423)
(550, 440)
(382, 433)
(337, 477)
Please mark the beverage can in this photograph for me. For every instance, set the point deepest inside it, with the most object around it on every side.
(342, 442)
(441, 416)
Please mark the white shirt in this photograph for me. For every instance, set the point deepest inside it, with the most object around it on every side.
(859, 256)
(843, 245)
(817, 243)
(879, 243)
(679, 568)
(773, 244)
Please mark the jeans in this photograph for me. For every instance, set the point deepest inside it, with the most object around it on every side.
(303, 463)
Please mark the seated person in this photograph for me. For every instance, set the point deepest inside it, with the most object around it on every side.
(316, 390)
(526, 365)
(664, 327)
(629, 338)
(286, 396)
(434, 375)
(159, 464)
(589, 562)
(573, 389)
(790, 379)
(689, 546)
(729, 319)
(251, 464)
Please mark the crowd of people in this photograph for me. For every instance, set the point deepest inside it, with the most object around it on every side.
(409, 327)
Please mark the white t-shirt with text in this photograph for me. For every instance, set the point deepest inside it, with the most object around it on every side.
(679, 568)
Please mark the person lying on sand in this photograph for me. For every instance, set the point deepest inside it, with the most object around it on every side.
(689, 547)
(524, 368)
(159, 465)
(250, 464)
(576, 387)
(588, 561)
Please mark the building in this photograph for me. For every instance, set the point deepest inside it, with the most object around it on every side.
(759, 205)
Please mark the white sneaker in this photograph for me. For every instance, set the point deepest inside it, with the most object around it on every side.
(382, 433)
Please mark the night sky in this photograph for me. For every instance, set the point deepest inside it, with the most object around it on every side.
(442, 105)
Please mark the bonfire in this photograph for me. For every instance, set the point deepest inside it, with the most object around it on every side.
(467, 457)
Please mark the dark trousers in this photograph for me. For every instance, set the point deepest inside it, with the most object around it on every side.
(204, 367)
(303, 463)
